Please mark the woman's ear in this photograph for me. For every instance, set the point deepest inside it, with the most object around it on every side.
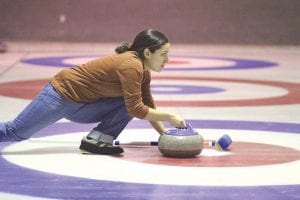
(146, 53)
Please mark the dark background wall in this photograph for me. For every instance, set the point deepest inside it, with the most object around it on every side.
(184, 21)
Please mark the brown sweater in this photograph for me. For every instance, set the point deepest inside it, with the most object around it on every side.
(119, 75)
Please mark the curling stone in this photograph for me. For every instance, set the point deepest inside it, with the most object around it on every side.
(181, 143)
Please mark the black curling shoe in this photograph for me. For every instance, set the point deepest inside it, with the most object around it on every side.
(98, 147)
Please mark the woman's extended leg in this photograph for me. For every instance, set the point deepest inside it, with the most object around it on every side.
(45, 109)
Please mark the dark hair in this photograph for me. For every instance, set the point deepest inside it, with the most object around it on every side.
(148, 39)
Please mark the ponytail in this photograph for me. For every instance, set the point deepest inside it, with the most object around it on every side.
(123, 48)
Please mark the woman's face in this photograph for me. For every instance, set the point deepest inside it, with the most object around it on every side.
(157, 60)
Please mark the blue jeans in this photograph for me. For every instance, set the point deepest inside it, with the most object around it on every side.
(49, 107)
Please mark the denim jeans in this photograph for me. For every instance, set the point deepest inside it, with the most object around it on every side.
(49, 106)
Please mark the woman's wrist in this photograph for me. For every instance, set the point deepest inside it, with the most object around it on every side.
(156, 115)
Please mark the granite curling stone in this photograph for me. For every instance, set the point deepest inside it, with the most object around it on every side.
(181, 143)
